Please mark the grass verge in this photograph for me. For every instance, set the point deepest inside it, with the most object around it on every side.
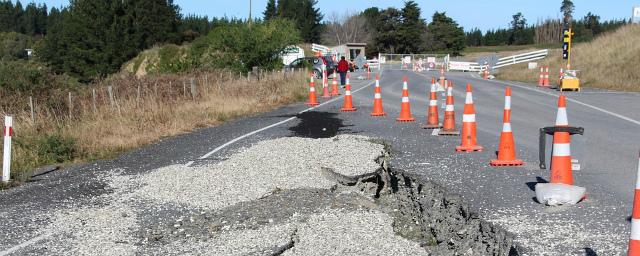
(609, 62)
(93, 124)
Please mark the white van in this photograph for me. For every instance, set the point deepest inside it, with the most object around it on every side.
(291, 53)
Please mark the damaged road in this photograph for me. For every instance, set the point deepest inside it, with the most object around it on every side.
(293, 203)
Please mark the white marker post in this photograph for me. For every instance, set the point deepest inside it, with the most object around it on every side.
(6, 156)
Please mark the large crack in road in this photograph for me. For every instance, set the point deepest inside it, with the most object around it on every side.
(316, 197)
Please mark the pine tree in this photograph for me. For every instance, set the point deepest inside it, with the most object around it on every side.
(304, 13)
(445, 34)
(567, 8)
(271, 10)
(412, 29)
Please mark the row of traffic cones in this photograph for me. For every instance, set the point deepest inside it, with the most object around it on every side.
(543, 80)
(561, 165)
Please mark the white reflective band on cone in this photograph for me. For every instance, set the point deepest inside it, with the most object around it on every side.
(562, 149)
(405, 99)
(347, 93)
(468, 99)
(404, 86)
(635, 229)
(312, 89)
(449, 91)
(348, 81)
(449, 108)
(506, 127)
(433, 103)
(468, 118)
(434, 87)
(561, 118)
(377, 96)
(507, 102)
(377, 83)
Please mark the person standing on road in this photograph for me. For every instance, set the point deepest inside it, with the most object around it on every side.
(343, 67)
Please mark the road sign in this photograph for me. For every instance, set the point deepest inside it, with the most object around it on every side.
(636, 14)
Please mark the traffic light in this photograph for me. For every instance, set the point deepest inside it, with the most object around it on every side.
(566, 34)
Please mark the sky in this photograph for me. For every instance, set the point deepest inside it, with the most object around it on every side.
(480, 14)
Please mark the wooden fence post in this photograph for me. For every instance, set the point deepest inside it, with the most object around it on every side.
(194, 93)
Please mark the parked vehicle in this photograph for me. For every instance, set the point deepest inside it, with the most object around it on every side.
(314, 64)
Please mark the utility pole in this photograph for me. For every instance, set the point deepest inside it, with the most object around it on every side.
(250, 11)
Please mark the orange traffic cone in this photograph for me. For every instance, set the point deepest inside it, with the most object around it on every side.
(546, 76)
(559, 82)
(507, 149)
(405, 107)
(432, 112)
(634, 238)
(334, 85)
(541, 79)
(348, 100)
(561, 169)
(469, 140)
(313, 99)
(325, 85)
(449, 123)
(377, 100)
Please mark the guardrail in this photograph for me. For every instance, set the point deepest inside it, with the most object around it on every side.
(519, 58)
(320, 48)
(502, 62)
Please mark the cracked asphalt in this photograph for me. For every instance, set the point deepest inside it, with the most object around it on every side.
(503, 196)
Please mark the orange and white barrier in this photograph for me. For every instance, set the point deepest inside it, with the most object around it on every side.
(313, 99)
(377, 100)
(561, 168)
(348, 99)
(541, 79)
(469, 140)
(507, 148)
(546, 76)
(6, 154)
(634, 238)
(334, 85)
(325, 85)
(432, 112)
(405, 107)
(449, 123)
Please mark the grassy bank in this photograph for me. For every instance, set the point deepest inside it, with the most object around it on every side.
(91, 123)
(610, 62)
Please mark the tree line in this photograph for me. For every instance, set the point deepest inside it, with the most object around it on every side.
(546, 31)
(393, 30)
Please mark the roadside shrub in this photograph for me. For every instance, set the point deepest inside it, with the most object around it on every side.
(56, 148)
(171, 59)
(240, 47)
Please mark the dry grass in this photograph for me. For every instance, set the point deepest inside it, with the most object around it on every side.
(143, 111)
(610, 61)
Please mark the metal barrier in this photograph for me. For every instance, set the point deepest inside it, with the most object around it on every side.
(502, 62)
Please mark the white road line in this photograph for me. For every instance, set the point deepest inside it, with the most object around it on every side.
(271, 126)
(24, 244)
(435, 132)
(579, 102)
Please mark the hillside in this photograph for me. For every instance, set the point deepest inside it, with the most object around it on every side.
(610, 62)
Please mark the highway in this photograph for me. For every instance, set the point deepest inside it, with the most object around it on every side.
(608, 152)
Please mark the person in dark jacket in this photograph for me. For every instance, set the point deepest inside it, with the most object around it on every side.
(343, 67)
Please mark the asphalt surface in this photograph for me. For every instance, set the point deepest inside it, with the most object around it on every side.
(608, 153)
